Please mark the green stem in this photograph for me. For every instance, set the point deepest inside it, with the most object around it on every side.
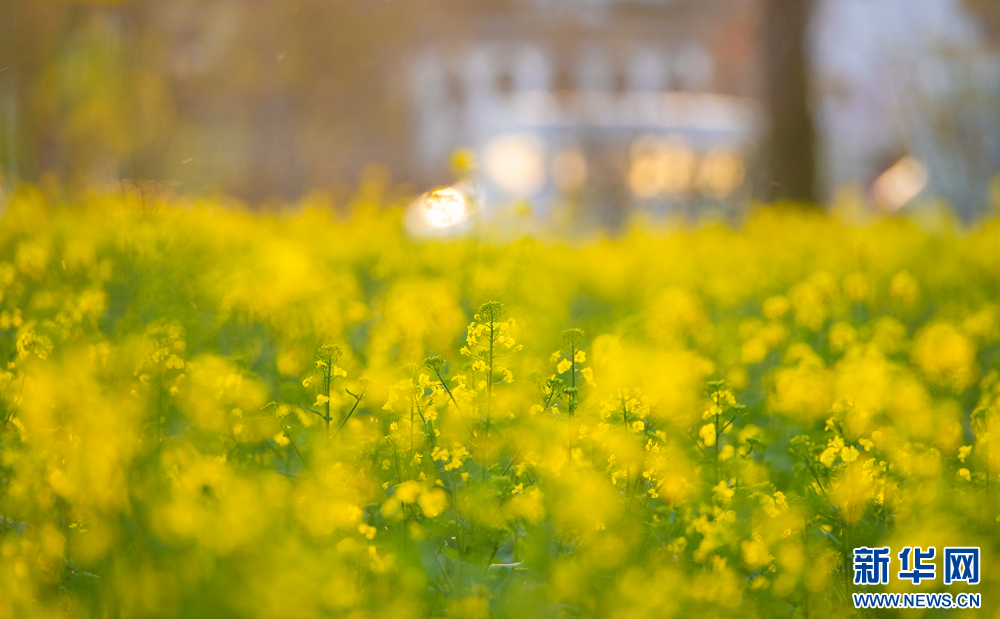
(572, 379)
(458, 512)
(987, 459)
(847, 560)
(427, 424)
(548, 400)
(717, 439)
(455, 402)
(512, 458)
(818, 482)
(15, 405)
(291, 442)
(357, 400)
(447, 390)
(159, 403)
(443, 572)
(3, 426)
(326, 405)
(395, 456)
(805, 590)
(489, 399)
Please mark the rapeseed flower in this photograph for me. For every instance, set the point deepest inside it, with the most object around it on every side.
(738, 409)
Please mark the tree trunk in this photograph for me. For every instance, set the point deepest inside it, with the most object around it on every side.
(789, 149)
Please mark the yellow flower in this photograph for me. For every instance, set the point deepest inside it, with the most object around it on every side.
(776, 307)
(588, 375)
(828, 456)
(964, 474)
(723, 493)
(564, 365)
(407, 491)
(904, 288)
(755, 553)
(393, 398)
(337, 371)
(849, 454)
(707, 434)
(580, 356)
(753, 351)
(945, 355)
(963, 452)
(678, 545)
(433, 502)
(281, 439)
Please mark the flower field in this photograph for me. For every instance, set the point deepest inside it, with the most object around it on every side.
(208, 413)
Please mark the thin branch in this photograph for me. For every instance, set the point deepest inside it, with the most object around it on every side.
(306, 408)
(357, 401)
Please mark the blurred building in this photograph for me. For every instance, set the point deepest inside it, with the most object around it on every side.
(596, 108)
(893, 81)
(609, 104)
(606, 105)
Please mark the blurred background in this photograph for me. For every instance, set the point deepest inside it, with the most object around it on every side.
(589, 110)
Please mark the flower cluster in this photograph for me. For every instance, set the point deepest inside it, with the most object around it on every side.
(209, 412)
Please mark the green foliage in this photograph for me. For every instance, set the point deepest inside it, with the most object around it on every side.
(207, 413)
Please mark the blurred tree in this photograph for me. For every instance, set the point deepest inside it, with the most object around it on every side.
(790, 148)
(79, 97)
(258, 99)
(989, 12)
(23, 47)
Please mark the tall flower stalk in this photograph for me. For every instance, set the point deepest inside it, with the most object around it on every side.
(488, 339)
(326, 364)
